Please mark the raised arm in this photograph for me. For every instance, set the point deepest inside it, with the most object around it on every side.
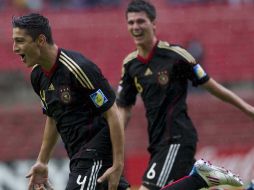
(226, 95)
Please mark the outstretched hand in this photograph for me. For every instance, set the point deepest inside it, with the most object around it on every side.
(112, 175)
(46, 186)
(38, 175)
(251, 112)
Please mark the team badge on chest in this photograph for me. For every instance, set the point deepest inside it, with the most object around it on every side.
(163, 77)
(65, 95)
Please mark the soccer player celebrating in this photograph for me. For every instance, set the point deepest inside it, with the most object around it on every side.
(159, 72)
(79, 104)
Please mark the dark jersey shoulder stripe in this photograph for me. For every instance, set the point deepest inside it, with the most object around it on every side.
(127, 59)
(182, 52)
(76, 70)
(36, 65)
(130, 57)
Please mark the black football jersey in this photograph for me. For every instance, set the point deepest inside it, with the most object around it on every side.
(76, 94)
(162, 81)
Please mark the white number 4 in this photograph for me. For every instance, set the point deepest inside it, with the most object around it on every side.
(82, 183)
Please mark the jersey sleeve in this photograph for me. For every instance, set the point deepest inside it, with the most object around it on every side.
(35, 77)
(100, 95)
(189, 68)
(198, 76)
(34, 81)
(126, 92)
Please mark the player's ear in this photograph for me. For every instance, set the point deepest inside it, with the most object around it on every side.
(41, 40)
(154, 24)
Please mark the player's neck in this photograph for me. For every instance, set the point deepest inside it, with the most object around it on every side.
(145, 49)
(48, 57)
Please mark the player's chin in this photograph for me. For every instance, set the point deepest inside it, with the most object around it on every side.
(29, 65)
(139, 41)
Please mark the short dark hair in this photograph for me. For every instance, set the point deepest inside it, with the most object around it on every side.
(34, 24)
(142, 5)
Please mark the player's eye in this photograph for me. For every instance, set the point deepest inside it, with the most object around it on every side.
(130, 22)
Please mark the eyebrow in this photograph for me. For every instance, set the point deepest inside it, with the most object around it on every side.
(18, 37)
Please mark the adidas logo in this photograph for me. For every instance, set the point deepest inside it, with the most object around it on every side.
(51, 87)
(213, 180)
(148, 72)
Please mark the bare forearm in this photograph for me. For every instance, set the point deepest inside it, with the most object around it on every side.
(228, 96)
(117, 140)
(49, 140)
(116, 135)
(125, 115)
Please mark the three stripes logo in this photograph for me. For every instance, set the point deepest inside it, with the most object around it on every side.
(76, 70)
(213, 180)
(89, 182)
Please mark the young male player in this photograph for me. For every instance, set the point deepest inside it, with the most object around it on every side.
(79, 104)
(159, 72)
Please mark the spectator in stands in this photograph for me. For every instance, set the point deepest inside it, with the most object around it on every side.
(94, 3)
(196, 49)
(35, 5)
(79, 104)
(159, 72)
(2, 4)
(194, 2)
(240, 2)
(81, 4)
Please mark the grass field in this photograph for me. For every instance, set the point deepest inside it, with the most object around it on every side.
(224, 187)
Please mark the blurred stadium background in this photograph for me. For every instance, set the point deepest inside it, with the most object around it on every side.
(219, 33)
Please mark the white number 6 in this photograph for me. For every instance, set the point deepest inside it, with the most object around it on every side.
(151, 173)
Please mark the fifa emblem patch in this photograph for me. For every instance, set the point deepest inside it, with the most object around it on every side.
(199, 72)
(98, 98)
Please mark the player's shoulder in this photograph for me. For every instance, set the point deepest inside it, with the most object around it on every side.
(74, 59)
(163, 45)
(71, 56)
(131, 56)
(36, 71)
(35, 68)
(35, 77)
(177, 50)
(81, 68)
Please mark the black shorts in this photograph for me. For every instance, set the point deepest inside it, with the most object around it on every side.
(168, 164)
(85, 172)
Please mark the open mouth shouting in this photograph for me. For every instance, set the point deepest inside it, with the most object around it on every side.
(23, 58)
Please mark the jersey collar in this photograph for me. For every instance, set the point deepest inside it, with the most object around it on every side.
(52, 70)
(150, 55)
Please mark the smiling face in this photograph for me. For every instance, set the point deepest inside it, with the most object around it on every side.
(25, 46)
(141, 28)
